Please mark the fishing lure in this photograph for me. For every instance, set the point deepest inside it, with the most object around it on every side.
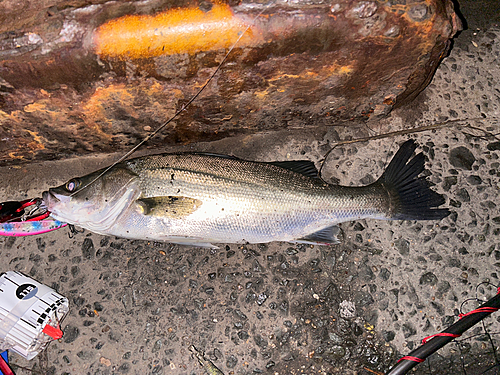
(24, 218)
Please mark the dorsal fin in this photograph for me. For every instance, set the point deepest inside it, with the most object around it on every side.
(304, 167)
(215, 155)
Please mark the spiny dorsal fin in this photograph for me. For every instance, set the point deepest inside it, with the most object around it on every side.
(304, 167)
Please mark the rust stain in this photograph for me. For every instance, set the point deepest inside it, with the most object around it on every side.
(38, 141)
(175, 31)
(13, 155)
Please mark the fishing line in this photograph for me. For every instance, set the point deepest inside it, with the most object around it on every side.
(395, 133)
(193, 98)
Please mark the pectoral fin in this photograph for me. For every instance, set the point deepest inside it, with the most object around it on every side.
(170, 206)
(327, 236)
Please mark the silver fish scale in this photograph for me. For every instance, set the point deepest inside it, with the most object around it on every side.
(241, 201)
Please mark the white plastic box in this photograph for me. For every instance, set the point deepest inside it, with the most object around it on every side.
(30, 314)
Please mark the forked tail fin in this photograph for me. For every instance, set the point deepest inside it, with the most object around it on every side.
(412, 199)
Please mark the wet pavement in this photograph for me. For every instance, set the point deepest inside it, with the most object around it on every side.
(352, 308)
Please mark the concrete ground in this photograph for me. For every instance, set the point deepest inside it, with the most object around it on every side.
(279, 308)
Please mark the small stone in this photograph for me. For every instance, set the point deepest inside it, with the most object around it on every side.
(70, 334)
(88, 250)
(443, 287)
(260, 341)
(408, 330)
(85, 355)
(358, 227)
(403, 246)
(243, 335)
(463, 195)
(270, 364)
(240, 315)
(261, 298)
(428, 278)
(438, 307)
(474, 180)
(365, 273)
(388, 336)
(337, 352)
(105, 361)
(41, 245)
(347, 309)
(495, 146)
(363, 299)
(461, 157)
(98, 306)
(384, 274)
(124, 368)
(449, 181)
(75, 270)
(78, 301)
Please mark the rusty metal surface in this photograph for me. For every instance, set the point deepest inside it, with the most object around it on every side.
(84, 76)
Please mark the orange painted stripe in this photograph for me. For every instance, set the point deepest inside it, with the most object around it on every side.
(175, 31)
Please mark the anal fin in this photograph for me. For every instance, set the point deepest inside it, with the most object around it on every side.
(326, 236)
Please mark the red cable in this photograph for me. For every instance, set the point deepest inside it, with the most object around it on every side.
(480, 310)
(440, 334)
(410, 358)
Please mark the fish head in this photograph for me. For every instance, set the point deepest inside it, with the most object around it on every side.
(94, 201)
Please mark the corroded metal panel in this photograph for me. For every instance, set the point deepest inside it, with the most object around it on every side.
(78, 77)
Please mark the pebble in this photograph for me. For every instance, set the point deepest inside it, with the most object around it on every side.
(461, 157)
(428, 278)
(71, 333)
(105, 361)
(88, 250)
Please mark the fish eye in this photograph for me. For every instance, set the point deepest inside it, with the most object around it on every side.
(72, 185)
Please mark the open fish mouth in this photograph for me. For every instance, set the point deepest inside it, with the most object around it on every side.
(49, 199)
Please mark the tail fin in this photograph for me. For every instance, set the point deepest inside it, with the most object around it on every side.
(413, 199)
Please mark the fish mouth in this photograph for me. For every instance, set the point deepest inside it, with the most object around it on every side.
(49, 198)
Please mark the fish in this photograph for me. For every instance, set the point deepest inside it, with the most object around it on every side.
(200, 199)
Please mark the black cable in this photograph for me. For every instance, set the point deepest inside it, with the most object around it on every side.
(438, 342)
